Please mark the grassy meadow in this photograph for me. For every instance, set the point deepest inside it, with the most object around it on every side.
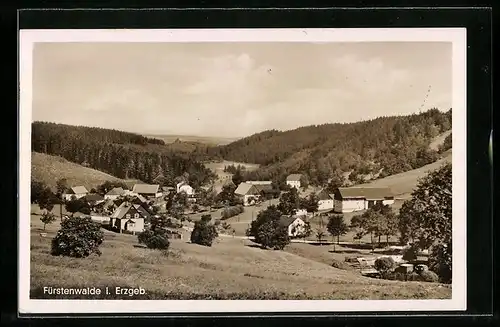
(233, 268)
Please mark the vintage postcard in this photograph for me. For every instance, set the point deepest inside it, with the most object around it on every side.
(280, 170)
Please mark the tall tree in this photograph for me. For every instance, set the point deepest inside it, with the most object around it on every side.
(268, 231)
(426, 219)
(289, 202)
(336, 227)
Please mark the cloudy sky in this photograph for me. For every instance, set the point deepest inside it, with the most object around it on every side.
(235, 89)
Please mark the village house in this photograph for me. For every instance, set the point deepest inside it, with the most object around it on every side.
(114, 193)
(129, 217)
(248, 193)
(295, 225)
(350, 199)
(293, 180)
(325, 201)
(147, 190)
(186, 188)
(77, 192)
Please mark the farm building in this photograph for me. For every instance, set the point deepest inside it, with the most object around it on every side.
(249, 193)
(293, 180)
(77, 191)
(295, 225)
(129, 217)
(114, 193)
(350, 199)
(184, 187)
(147, 190)
(325, 201)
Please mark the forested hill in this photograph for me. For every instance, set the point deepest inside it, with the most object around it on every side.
(121, 154)
(381, 147)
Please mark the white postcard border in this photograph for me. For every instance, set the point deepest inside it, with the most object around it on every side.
(457, 36)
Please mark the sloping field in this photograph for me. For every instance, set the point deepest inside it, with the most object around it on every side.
(230, 269)
(196, 139)
(403, 184)
(49, 169)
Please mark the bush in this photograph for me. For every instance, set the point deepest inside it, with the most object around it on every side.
(232, 211)
(414, 277)
(384, 265)
(429, 276)
(78, 237)
(340, 265)
(203, 233)
(154, 239)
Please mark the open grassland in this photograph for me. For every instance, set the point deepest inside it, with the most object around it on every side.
(403, 184)
(230, 269)
(49, 169)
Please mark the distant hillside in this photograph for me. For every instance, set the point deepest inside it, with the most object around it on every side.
(49, 169)
(121, 154)
(374, 148)
(403, 184)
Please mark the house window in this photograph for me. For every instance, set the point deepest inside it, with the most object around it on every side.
(136, 215)
(128, 215)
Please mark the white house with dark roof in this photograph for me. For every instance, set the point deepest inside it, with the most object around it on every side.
(350, 199)
(147, 190)
(114, 193)
(76, 191)
(249, 193)
(293, 180)
(294, 224)
(129, 217)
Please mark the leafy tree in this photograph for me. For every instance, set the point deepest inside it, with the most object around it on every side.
(78, 237)
(61, 187)
(156, 236)
(268, 230)
(426, 219)
(204, 233)
(47, 200)
(311, 203)
(289, 202)
(47, 218)
(336, 227)
(37, 189)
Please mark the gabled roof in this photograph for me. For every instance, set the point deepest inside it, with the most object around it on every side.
(79, 190)
(125, 207)
(146, 188)
(294, 177)
(287, 220)
(116, 191)
(368, 193)
(245, 189)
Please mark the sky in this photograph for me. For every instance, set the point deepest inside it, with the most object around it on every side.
(235, 89)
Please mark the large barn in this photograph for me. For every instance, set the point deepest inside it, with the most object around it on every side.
(350, 199)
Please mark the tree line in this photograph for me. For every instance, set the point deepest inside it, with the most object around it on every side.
(121, 154)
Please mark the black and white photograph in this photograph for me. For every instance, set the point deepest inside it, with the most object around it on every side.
(324, 166)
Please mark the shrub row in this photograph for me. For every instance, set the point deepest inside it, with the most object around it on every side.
(232, 211)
